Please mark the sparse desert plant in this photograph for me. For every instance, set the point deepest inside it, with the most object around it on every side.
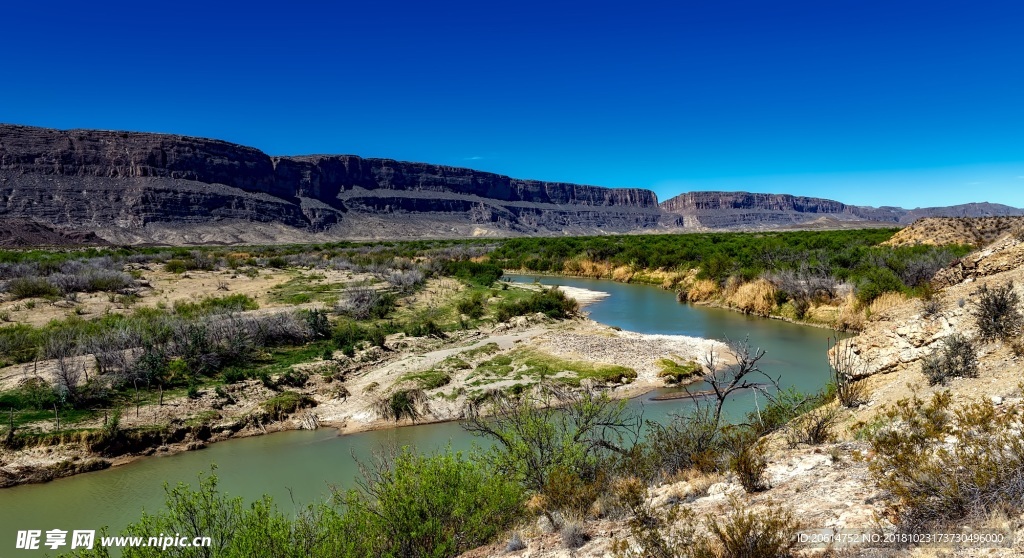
(813, 428)
(574, 535)
(748, 461)
(956, 358)
(515, 543)
(997, 312)
(745, 533)
(946, 464)
(844, 366)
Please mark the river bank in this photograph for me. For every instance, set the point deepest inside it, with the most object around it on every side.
(345, 393)
(845, 315)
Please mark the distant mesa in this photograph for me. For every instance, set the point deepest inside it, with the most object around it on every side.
(91, 186)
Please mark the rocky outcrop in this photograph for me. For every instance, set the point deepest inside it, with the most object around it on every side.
(112, 182)
(717, 210)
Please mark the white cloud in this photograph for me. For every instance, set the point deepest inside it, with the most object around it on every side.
(477, 158)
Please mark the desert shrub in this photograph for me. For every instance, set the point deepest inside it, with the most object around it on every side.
(956, 358)
(945, 465)
(844, 365)
(406, 281)
(784, 406)
(293, 378)
(747, 460)
(318, 323)
(362, 303)
(431, 506)
(574, 535)
(997, 312)
(472, 306)
(551, 302)
(552, 429)
(423, 328)
(690, 441)
(31, 287)
(677, 533)
(745, 533)
(213, 304)
(285, 403)
(175, 266)
(813, 427)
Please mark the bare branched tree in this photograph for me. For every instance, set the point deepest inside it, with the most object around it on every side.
(62, 347)
(726, 380)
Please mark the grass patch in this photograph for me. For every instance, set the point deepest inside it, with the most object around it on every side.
(527, 365)
(674, 372)
(306, 288)
(285, 403)
(431, 379)
(483, 350)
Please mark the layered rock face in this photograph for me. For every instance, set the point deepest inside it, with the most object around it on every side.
(123, 183)
(748, 210)
(129, 187)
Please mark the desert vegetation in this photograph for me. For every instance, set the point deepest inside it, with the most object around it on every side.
(769, 274)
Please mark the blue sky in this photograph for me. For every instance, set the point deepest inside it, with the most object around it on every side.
(870, 102)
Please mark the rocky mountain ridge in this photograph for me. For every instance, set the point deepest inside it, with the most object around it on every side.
(131, 187)
(746, 209)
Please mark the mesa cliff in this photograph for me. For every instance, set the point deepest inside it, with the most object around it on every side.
(717, 210)
(127, 186)
(132, 187)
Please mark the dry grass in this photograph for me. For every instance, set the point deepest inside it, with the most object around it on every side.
(885, 302)
(623, 273)
(757, 297)
(702, 290)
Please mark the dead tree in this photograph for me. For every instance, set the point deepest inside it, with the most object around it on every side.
(726, 380)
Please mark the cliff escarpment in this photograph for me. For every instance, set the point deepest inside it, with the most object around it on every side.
(718, 210)
(133, 187)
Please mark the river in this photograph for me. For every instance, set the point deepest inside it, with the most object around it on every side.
(300, 466)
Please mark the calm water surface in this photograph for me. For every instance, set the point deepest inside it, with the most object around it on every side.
(301, 466)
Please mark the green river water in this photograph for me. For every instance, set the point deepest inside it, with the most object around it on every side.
(301, 466)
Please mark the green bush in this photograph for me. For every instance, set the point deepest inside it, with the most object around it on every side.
(473, 273)
(432, 506)
(551, 302)
(472, 306)
(175, 266)
(877, 281)
(31, 287)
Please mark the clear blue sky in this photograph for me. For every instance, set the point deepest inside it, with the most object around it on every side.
(872, 102)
